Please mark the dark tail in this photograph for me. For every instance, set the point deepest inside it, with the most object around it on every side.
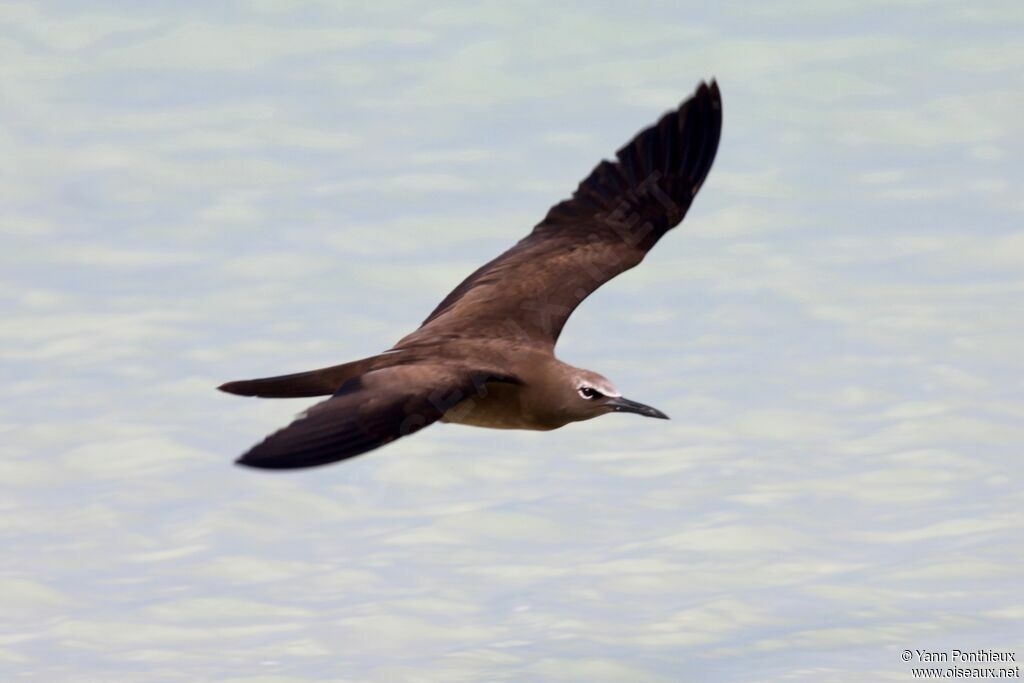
(322, 382)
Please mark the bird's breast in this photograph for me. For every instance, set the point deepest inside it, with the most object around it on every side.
(500, 407)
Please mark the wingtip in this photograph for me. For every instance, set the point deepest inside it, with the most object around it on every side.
(245, 461)
(237, 388)
(248, 460)
(710, 88)
(706, 94)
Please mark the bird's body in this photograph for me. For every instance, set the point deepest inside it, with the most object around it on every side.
(485, 356)
(509, 405)
(542, 399)
(502, 406)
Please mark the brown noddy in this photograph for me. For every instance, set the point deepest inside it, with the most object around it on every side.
(485, 355)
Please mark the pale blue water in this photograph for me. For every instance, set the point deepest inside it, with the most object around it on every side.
(191, 195)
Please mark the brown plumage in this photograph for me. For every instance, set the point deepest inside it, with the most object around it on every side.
(485, 355)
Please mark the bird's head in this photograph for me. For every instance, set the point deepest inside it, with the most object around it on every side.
(594, 395)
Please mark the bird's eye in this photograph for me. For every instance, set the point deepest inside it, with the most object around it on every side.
(590, 393)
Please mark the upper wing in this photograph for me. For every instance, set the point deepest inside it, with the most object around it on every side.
(615, 216)
(367, 412)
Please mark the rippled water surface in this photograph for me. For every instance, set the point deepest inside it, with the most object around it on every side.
(195, 195)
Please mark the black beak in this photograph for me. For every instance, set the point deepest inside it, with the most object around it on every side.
(624, 405)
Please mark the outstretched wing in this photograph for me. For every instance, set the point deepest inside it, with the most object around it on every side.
(367, 412)
(615, 216)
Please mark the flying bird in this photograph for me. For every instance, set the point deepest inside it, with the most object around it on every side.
(485, 356)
